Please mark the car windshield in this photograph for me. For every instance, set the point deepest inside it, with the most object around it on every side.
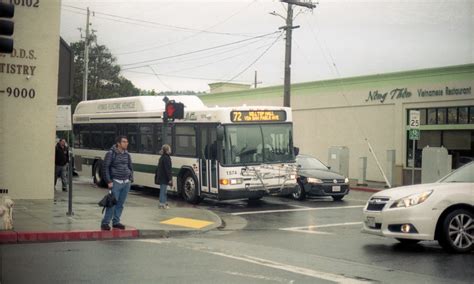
(308, 163)
(253, 144)
(463, 174)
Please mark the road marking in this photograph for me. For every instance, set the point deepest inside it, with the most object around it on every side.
(297, 210)
(186, 222)
(290, 268)
(260, 277)
(323, 226)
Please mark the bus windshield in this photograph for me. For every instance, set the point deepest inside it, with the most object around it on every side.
(254, 144)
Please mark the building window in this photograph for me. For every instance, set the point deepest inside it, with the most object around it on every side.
(441, 116)
(432, 116)
(463, 117)
(452, 115)
(471, 115)
(423, 116)
(185, 140)
(146, 139)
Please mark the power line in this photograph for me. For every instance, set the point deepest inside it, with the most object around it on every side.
(217, 61)
(255, 61)
(179, 76)
(191, 36)
(172, 27)
(214, 54)
(147, 62)
(158, 77)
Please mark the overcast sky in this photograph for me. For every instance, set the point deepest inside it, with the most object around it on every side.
(357, 37)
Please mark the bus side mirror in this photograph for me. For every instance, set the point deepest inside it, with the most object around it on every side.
(296, 150)
(220, 133)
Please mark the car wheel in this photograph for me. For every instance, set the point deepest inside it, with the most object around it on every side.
(98, 174)
(408, 241)
(457, 231)
(338, 197)
(299, 193)
(190, 189)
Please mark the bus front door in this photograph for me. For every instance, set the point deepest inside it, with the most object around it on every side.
(208, 160)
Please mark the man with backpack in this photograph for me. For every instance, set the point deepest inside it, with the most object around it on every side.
(119, 176)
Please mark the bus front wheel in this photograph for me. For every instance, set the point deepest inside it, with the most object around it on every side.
(190, 189)
(97, 174)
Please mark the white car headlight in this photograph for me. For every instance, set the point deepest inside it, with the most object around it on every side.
(346, 180)
(313, 180)
(412, 200)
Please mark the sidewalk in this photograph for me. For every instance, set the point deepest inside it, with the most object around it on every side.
(372, 186)
(46, 220)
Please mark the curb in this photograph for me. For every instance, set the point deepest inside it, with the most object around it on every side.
(366, 189)
(13, 237)
(10, 237)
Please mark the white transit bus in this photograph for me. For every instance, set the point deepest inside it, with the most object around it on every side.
(217, 152)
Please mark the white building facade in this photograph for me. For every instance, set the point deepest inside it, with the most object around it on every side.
(353, 111)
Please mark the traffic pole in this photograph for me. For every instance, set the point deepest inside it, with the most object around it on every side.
(71, 172)
(413, 165)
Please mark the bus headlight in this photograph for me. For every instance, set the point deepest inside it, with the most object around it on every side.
(231, 181)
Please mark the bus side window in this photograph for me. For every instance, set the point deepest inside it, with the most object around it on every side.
(146, 138)
(96, 136)
(158, 139)
(110, 132)
(132, 135)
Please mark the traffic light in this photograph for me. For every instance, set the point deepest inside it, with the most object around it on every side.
(173, 110)
(7, 11)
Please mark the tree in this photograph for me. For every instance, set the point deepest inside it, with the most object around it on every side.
(104, 79)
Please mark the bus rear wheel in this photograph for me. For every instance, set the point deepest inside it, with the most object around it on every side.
(97, 174)
(190, 189)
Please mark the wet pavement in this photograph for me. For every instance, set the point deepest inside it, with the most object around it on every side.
(275, 240)
(49, 218)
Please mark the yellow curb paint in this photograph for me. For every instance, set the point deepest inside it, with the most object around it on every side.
(186, 222)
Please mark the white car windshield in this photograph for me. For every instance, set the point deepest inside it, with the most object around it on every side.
(463, 174)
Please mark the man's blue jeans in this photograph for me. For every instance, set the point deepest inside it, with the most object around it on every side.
(163, 189)
(120, 191)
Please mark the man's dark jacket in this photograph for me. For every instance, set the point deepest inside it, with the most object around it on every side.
(163, 171)
(117, 165)
(62, 155)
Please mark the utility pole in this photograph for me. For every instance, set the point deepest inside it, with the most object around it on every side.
(86, 59)
(256, 82)
(289, 29)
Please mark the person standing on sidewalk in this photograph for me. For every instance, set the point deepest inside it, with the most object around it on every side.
(163, 175)
(119, 176)
(61, 161)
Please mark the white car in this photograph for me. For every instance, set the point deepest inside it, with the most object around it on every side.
(442, 211)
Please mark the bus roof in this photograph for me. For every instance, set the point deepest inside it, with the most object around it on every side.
(136, 104)
(152, 107)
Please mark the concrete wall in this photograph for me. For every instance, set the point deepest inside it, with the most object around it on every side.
(27, 125)
(345, 112)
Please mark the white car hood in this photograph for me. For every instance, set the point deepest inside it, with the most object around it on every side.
(404, 191)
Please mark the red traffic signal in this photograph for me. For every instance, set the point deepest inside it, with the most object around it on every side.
(6, 27)
(173, 110)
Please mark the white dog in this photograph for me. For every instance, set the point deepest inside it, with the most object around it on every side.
(6, 211)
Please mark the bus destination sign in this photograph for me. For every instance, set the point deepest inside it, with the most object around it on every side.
(258, 116)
